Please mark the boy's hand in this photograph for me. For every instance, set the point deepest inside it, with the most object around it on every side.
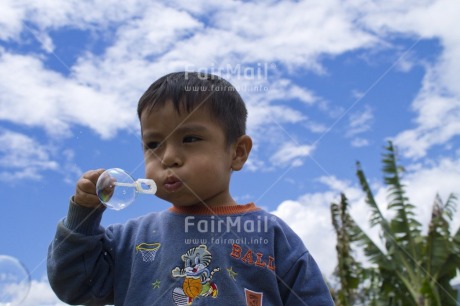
(85, 194)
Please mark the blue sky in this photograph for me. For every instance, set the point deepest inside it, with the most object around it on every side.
(326, 83)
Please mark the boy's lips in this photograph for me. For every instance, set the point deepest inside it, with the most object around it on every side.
(172, 184)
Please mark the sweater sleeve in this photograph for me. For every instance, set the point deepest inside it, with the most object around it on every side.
(80, 262)
(303, 284)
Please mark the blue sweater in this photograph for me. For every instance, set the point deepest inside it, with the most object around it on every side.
(238, 255)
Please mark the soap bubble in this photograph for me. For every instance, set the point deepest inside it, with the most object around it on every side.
(113, 196)
(117, 189)
(14, 281)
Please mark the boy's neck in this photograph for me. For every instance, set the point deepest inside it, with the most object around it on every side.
(215, 210)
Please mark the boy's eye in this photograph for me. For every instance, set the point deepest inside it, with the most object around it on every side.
(191, 139)
(152, 145)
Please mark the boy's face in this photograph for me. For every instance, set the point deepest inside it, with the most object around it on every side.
(187, 156)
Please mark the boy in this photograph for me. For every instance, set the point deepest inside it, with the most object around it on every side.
(204, 250)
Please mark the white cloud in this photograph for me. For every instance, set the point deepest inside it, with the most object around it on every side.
(148, 40)
(438, 103)
(315, 127)
(358, 142)
(309, 216)
(18, 289)
(33, 96)
(360, 122)
(41, 294)
(424, 182)
(438, 119)
(22, 157)
(327, 29)
(311, 221)
(10, 19)
(291, 154)
(265, 114)
(162, 39)
(50, 15)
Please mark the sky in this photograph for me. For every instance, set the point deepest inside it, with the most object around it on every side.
(327, 83)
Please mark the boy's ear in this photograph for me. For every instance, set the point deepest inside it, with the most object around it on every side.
(241, 150)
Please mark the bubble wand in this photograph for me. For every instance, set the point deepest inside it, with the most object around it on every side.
(117, 189)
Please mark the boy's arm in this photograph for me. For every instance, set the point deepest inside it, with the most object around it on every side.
(303, 284)
(80, 267)
(80, 263)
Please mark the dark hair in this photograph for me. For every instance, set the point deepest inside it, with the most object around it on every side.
(188, 90)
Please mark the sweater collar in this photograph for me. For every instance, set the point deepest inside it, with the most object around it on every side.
(220, 210)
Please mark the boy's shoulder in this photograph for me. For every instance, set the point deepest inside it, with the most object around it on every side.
(139, 221)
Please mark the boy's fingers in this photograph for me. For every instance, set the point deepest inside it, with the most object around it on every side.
(85, 193)
(93, 175)
(87, 182)
(86, 185)
(85, 199)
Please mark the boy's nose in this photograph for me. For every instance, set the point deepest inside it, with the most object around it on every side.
(171, 158)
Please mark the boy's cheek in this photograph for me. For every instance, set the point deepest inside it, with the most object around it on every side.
(150, 158)
(151, 168)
